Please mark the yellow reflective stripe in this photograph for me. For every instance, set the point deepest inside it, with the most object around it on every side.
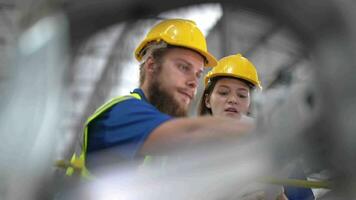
(147, 160)
(159, 162)
(70, 170)
(110, 103)
(84, 171)
(80, 161)
(298, 183)
(85, 139)
(77, 163)
(101, 110)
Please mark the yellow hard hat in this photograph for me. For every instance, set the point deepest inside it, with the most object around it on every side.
(235, 66)
(178, 32)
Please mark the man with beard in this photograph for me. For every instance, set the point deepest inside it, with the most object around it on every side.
(152, 119)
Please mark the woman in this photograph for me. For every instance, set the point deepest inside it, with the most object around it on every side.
(228, 88)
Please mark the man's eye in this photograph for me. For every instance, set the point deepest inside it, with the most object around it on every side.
(183, 67)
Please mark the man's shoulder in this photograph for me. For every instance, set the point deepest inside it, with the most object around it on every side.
(134, 104)
(131, 103)
(126, 97)
(132, 109)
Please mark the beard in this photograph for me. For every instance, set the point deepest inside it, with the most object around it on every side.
(164, 101)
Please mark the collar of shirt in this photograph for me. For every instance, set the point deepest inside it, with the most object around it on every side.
(139, 91)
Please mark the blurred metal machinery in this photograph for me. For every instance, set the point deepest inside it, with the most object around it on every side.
(33, 98)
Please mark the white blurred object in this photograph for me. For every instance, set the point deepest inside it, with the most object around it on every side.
(31, 114)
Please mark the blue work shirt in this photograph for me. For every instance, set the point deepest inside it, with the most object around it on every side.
(121, 130)
(298, 193)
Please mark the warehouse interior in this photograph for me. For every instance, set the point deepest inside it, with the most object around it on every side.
(61, 59)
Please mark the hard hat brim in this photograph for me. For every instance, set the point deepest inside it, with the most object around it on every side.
(256, 84)
(210, 60)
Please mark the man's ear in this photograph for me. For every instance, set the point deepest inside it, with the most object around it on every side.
(150, 64)
(207, 101)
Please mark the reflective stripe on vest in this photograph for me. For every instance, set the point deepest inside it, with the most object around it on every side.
(77, 163)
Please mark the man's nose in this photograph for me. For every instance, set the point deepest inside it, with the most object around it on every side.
(193, 82)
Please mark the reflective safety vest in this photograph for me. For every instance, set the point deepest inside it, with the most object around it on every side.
(77, 163)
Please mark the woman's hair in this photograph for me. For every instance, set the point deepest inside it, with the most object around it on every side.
(203, 109)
